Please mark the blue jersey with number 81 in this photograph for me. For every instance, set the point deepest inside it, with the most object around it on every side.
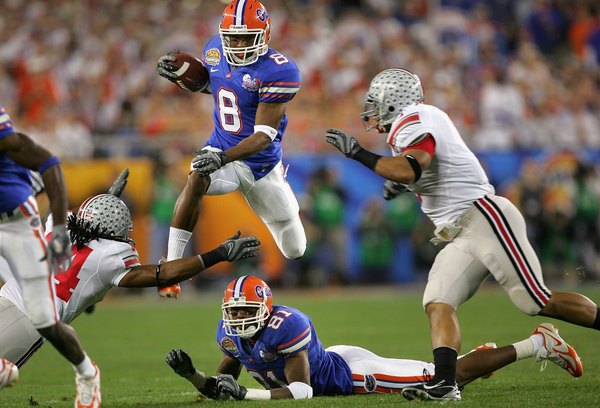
(288, 331)
(274, 78)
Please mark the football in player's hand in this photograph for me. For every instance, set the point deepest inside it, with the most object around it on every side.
(191, 72)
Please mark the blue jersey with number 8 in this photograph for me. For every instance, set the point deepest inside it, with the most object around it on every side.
(274, 78)
(288, 331)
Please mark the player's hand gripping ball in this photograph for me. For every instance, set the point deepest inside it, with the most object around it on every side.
(184, 70)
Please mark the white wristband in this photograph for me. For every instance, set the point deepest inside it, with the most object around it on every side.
(268, 130)
(256, 394)
(300, 390)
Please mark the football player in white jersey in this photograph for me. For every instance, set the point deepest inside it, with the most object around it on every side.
(103, 257)
(484, 233)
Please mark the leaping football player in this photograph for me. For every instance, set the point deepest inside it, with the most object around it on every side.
(251, 85)
(278, 345)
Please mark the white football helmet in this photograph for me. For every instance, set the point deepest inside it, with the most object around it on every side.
(108, 214)
(247, 19)
(390, 91)
(247, 305)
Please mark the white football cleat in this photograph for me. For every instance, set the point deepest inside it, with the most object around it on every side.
(440, 391)
(88, 390)
(557, 350)
(9, 373)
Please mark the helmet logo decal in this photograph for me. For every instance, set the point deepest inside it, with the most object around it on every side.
(212, 56)
(262, 14)
(259, 292)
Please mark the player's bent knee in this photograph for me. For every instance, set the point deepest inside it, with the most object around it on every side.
(294, 253)
(524, 302)
(41, 313)
(38, 302)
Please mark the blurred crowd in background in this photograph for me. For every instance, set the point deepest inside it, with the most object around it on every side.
(79, 76)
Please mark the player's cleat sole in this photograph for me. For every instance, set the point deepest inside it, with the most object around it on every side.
(170, 292)
(88, 391)
(441, 391)
(557, 350)
(9, 373)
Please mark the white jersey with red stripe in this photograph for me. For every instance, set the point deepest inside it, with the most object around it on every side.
(455, 178)
(94, 270)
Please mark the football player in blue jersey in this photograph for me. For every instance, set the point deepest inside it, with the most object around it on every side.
(251, 85)
(30, 258)
(279, 347)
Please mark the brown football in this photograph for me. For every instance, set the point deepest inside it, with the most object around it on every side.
(193, 75)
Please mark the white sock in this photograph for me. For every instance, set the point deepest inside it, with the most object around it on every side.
(85, 368)
(526, 348)
(178, 239)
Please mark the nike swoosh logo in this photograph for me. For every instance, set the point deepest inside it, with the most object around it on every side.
(214, 69)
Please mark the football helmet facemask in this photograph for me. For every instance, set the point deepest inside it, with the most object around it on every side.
(390, 91)
(108, 214)
(247, 305)
(245, 31)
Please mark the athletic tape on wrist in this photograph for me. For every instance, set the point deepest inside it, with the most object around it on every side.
(256, 394)
(369, 159)
(300, 390)
(268, 130)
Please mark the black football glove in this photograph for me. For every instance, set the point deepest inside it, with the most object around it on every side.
(210, 390)
(181, 363)
(165, 69)
(119, 184)
(391, 189)
(229, 385)
(58, 252)
(207, 162)
(344, 143)
(236, 248)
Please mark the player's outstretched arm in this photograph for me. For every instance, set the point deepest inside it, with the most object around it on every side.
(182, 364)
(169, 273)
(404, 169)
(297, 373)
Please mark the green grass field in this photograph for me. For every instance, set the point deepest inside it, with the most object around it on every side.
(129, 338)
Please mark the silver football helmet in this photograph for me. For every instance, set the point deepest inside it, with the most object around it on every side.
(390, 91)
(109, 214)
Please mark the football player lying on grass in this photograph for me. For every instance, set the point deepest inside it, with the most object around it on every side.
(279, 347)
(103, 257)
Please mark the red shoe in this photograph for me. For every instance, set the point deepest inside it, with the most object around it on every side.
(171, 292)
(485, 346)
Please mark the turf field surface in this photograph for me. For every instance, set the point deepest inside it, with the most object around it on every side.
(130, 336)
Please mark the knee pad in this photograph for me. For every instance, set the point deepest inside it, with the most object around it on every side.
(38, 300)
(289, 236)
(523, 301)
